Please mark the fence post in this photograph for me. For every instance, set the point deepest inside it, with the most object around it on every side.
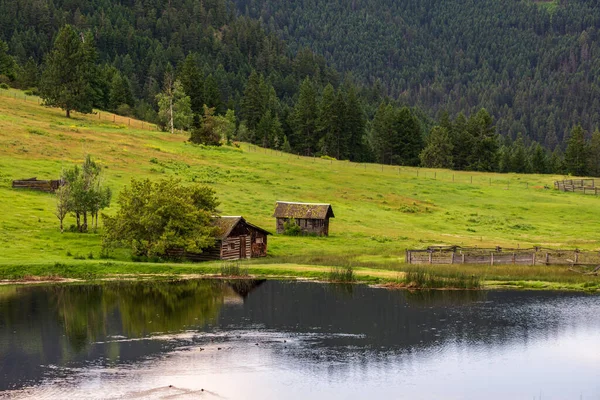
(547, 258)
(452, 177)
(492, 259)
(435, 175)
(430, 257)
(463, 258)
(576, 256)
(471, 178)
(452, 258)
(533, 258)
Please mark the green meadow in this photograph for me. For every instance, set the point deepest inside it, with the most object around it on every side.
(380, 210)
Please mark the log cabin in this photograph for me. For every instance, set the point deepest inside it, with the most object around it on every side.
(235, 239)
(312, 218)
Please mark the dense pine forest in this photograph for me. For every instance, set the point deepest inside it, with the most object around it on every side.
(488, 85)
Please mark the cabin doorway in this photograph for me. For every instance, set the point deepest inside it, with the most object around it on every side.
(242, 246)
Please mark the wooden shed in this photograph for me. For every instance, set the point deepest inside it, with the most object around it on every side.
(236, 239)
(312, 218)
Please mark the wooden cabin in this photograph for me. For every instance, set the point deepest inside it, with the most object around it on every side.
(236, 239)
(34, 184)
(312, 218)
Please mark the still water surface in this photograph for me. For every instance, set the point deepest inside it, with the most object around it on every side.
(294, 340)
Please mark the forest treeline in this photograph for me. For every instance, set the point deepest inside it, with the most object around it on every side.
(197, 66)
(532, 64)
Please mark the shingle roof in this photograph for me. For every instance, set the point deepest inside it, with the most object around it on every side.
(226, 224)
(285, 209)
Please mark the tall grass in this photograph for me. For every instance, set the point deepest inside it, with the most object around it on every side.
(341, 274)
(233, 268)
(421, 279)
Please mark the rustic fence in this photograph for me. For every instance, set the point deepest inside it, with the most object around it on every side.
(34, 184)
(585, 186)
(501, 256)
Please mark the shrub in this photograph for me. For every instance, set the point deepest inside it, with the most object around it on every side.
(4, 86)
(290, 228)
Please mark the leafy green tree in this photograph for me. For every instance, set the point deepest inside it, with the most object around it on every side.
(438, 151)
(68, 78)
(286, 147)
(576, 154)
(174, 106)
(157, 216)
(84, 193)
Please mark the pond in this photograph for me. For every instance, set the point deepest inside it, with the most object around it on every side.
(295, 340)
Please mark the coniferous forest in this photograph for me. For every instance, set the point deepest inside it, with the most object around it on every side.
(509, 86)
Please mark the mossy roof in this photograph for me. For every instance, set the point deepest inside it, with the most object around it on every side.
(287, 209)
(226, 224)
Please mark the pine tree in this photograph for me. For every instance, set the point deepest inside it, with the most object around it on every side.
(212, 94)
(174, 106)
(576, 154)
(253, 102)
(484, 149)
(462, 143)
(594, 154)
(539, 159)
(382, 133)
(192, 80)
(328, 125)
(120, 92)
(354, 124)
(67, 81)
(408, 140)
(304, 119)
(519, 162)
(29, 75)
(7, 63)
(438, 152)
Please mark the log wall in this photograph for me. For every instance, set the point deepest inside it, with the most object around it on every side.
(319, 227)
(34, 184)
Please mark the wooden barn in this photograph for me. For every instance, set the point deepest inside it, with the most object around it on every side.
(312, 218)
(236, 239)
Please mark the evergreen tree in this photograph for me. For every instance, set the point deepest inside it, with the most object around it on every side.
(539, 159)
(29, 75)
(7, 63)
(484, 150)
(328, 124)
(594, 154)
(67, 81)
(253, 102)
(462, 143)
(382, 133)
(519, 161)
(120, 92)
(354, 124)
(576, 154)
(408, 141)
(192, 80)
(438, 151)
(304, 119)
(212, 94)
(208, 131)
(268, 132)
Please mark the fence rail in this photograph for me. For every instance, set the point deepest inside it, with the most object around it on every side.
(500, 256)
(585, 186)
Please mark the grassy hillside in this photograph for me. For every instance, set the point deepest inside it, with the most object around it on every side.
(380, 211)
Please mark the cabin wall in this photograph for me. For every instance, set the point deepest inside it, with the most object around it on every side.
(319, 227)
(259, 244)
(231, 248)
(209, 254)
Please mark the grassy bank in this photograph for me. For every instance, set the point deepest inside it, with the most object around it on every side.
(402, 276)
(380, 210)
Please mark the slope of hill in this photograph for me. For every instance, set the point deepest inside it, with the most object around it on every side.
(380, 211)
(534, 66)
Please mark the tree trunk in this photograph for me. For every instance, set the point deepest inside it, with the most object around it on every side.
(171, 112)
(61, 225)
(84, 227)
(68, 113)
(78, 217)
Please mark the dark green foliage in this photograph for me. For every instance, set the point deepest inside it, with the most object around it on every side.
(7, 63)
(533, 68)
(576, 154)
(304, 120)
(157, 216)
(70, 72)
(207, 133)
(438, 152)
(291, 228)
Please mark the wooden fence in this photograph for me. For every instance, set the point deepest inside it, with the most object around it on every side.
(500, 256)
(585, 186)
(34, 184)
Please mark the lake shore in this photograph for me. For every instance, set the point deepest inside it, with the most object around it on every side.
(390, 277)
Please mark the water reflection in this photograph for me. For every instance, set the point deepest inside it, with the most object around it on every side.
(286, 337)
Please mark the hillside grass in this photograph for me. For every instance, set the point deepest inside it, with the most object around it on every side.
(380, 210)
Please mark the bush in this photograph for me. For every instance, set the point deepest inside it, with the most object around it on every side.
(124, 110)
(341, 274)
(290, 228)
(4, 86)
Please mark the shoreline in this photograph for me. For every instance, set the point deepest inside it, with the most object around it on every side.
(111, 271)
